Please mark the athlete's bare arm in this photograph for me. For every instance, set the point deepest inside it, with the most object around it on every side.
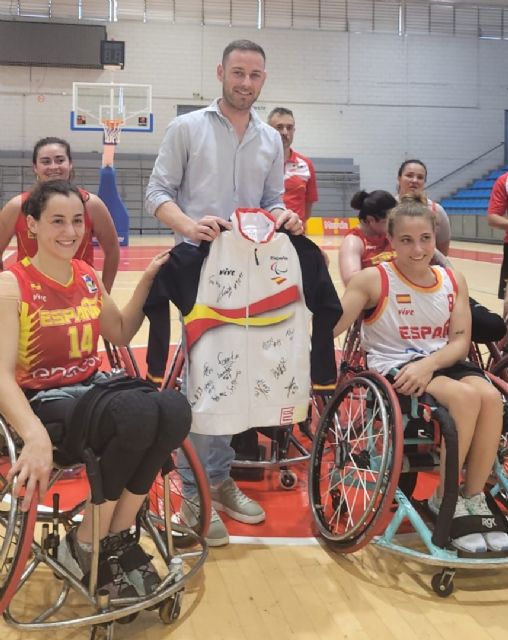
(105, 232)
(443, 230)
(498, 222)
(362, 292)
(34, 463)
(350, 257)
(119, 327)
(8, 217)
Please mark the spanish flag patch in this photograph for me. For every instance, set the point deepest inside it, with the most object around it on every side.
(403, 298)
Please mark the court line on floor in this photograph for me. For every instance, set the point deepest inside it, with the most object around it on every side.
(269, 540)
(147, 251)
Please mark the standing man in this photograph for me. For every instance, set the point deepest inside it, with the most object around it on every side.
(498, 219)
(211, 162)
(300, 187)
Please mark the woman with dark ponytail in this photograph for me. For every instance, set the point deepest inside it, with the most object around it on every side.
(367, 244)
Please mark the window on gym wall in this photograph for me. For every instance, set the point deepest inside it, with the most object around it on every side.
(490, 22)
(360, 16)
(387, 17)
(466, 21)
(442, 19)
(217, 12)
(401, 17)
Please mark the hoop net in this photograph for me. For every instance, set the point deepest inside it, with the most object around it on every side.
(112, 130)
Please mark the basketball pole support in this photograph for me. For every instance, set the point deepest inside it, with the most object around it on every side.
(112, 119)
(108, 193)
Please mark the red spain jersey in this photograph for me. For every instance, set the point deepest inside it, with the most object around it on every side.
(498, 203)
(376, 249)
(27, 242)
(58, 326)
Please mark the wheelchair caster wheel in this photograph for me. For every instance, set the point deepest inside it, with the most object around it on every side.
(102, 632)
(288, 479)
(169, 611)
(442, 583)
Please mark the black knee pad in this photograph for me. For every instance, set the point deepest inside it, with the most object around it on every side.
(175, 415)
(136, 418)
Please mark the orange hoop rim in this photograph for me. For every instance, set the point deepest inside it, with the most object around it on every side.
(112, 124)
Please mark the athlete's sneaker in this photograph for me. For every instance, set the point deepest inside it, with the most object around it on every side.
(472, 542)
(217, 535)
(229, 498)
(477, 506)
(434, 503)
(134, 561)
(77, 560)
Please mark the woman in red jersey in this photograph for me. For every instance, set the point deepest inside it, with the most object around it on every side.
(367, 244)
(53, 309)
(52, 160)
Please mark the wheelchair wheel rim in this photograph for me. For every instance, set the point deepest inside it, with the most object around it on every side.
(355, 462)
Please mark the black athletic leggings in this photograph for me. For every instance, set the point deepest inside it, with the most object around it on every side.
(135, 436)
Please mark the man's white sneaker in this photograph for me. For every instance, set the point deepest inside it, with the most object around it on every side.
(217, 535)
(229, 498)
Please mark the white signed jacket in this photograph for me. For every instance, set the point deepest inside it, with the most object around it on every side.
(247, 328)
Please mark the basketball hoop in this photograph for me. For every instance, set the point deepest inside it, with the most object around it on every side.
(112, 130)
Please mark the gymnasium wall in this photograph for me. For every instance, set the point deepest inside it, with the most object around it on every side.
(373, 97)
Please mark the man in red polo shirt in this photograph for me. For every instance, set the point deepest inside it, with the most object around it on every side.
(299, 175)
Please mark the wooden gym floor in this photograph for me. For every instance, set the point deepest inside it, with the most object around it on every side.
(286, 588)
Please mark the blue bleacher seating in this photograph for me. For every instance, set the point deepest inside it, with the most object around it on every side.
(473, 199)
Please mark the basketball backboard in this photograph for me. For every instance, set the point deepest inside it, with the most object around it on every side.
(96, 103)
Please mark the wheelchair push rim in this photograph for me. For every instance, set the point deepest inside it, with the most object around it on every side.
(16, 526)
(356, 461)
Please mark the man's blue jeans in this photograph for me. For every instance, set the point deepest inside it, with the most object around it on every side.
(216, 455)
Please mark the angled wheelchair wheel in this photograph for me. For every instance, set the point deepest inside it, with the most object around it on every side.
(16, 526)
(185, 461)
(485, 355)
(352, 357)
(122, 359)
(173, 379)
(356, 461)
(500, 368)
